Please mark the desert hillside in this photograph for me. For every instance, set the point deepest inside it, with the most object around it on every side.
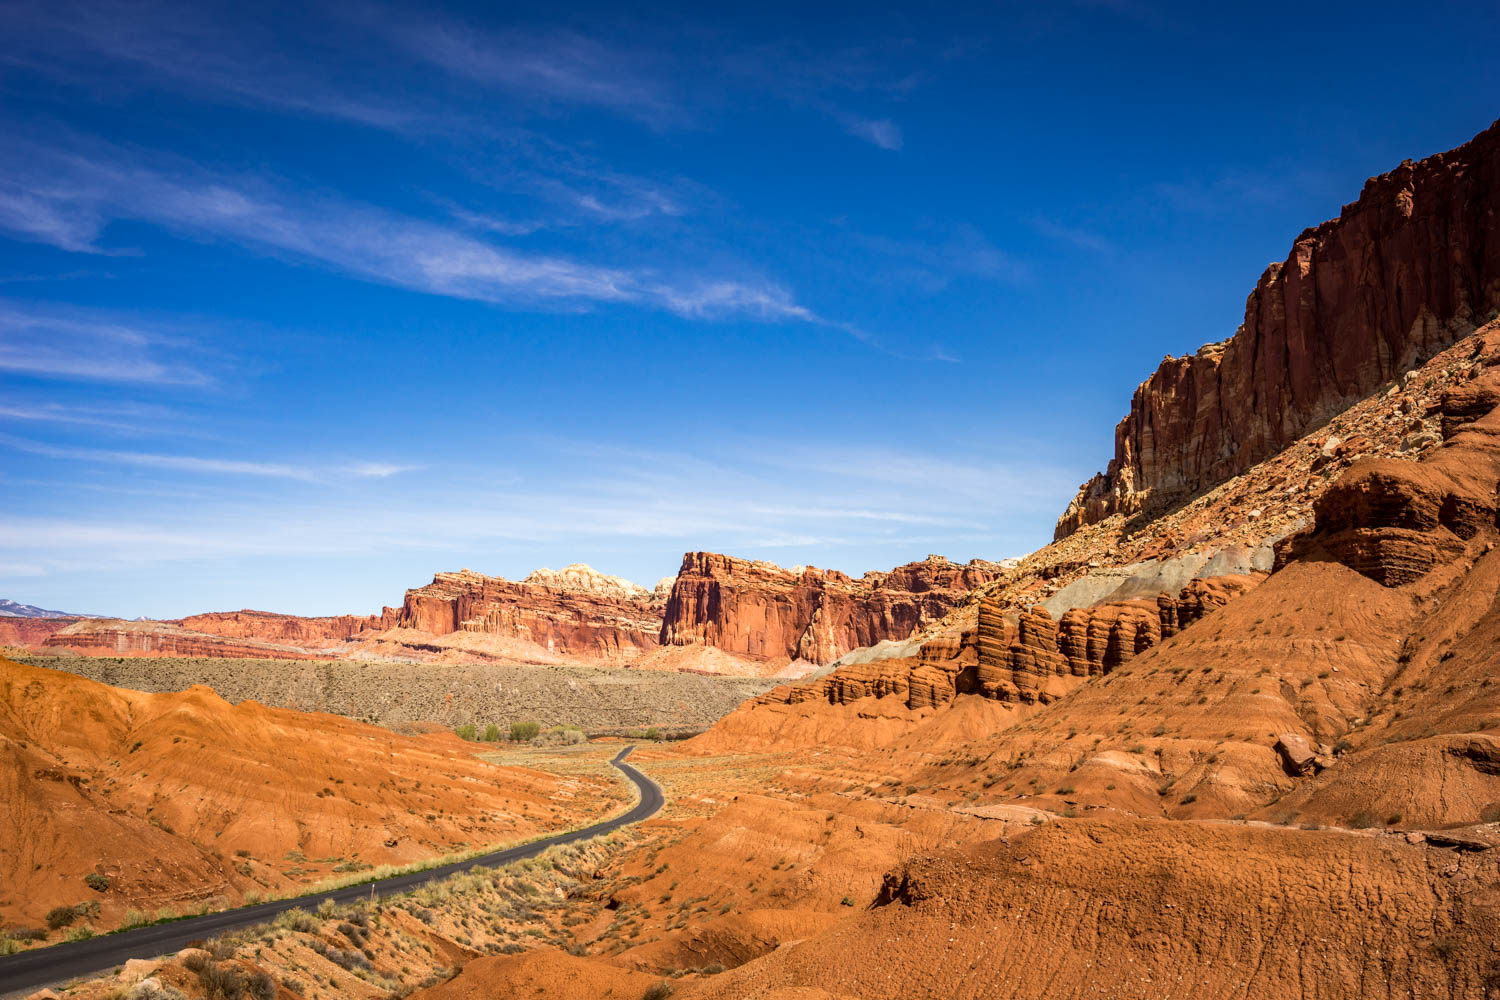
(118, 800)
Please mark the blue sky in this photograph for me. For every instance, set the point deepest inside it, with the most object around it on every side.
(301, 304)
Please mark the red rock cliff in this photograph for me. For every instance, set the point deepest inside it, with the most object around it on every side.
(580, 613)
(268, 626)
(762, 611)
(1402, 273)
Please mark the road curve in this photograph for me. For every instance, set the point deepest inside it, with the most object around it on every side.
(31, 970)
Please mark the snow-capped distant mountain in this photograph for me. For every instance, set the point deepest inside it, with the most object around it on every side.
(13, 609)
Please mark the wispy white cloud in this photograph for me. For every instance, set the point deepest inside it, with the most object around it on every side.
(559, 66)
(209, 464)
(128, 419)
(734, 497)
(91, 41)
(881, 132)
(377, 470)
(932, 258)
(1072, 235)
(355, 238)
(79, 345)
(172, 463)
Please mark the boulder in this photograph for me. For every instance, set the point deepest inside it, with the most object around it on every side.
(136, 969)
(1297, 754)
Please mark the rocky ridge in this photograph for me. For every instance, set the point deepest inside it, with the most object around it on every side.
(1238, 522)
(1023, 660)
(572, 611)
(1405, 271)
(762, 611)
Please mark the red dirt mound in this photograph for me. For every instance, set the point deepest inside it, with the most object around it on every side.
(178, 798)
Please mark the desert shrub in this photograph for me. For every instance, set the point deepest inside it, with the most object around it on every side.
(651, 733)
(221, 981)
(523, 732)
(657, 991)
(134, 918)
(97, 882)
(60, 916)
(150, 989)
(27, 933)
(1489, 814)
(491, 733)
(261, 986)
(465, 731)
(82, 932)
(1364, 819)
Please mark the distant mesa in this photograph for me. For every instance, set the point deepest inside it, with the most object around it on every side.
(719, 615)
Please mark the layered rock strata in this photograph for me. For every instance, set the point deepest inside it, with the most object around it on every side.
(1024, 657)
(268, 626)
(113, 637)
(1395, 521)
(761, 611)
(562, 612)
(1403, 272)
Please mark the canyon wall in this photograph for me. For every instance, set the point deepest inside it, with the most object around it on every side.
(1405, 271)
(1026, 657)
(573, 611)
(113, 637)
(28, 631)
(762, 611)
(268, 626)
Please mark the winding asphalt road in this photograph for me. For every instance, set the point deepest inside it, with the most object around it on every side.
(31, 970)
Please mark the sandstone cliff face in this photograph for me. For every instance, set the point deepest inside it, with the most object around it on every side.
(268, 626)
(580, 615)
(27, 631)
(762, 611)
(1408, 269)
(112, 637)
(1026, 658)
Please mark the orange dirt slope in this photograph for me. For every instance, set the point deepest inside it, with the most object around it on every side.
(178, 798)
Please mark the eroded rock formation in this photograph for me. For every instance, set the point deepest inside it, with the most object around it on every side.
(268, 626)
(113, 637)
(1395, 521)
(568, 611)
(762, 611)
(28, 631)
(1409, 268)
(1026, 656)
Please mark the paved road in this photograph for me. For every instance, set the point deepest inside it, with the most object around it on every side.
(31, 970)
